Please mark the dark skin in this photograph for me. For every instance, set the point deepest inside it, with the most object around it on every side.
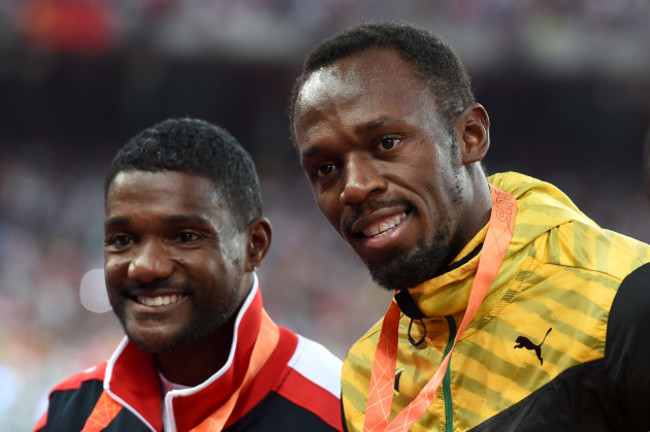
(402, 191)
(177, 269)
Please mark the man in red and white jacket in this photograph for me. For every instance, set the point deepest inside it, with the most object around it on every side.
(183, 235)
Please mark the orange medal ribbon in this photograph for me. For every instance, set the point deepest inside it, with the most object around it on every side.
(380, 393)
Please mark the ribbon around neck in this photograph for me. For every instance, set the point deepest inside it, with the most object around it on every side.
(380, 391)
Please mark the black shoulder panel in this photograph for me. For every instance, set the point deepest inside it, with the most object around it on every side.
(627, 349)
(275, 413)
(69, 409)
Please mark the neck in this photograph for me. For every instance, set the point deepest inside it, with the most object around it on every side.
(190, 365)
(479, 205)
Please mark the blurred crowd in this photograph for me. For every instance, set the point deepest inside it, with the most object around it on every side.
(566, 84)
(569, 32)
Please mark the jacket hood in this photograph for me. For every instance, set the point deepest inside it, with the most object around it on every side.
(540, 207)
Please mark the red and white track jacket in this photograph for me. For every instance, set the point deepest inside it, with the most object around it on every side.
(274, 380)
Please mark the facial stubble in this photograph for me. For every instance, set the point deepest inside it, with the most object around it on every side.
(205, 318)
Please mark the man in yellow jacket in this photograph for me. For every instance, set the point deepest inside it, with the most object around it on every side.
(513, 310)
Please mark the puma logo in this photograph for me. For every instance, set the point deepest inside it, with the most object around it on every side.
(524, 342)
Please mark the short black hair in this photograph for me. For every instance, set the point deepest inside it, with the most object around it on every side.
(439, 65)
(198, 148)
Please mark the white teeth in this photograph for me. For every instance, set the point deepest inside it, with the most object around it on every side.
(384, 226)
(159, 300)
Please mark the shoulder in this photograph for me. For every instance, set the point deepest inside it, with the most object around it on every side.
(317, 364)
(313, 381)
(71, 401)
(95, 373)
(587, 247)
(356, 372)
(362, 352)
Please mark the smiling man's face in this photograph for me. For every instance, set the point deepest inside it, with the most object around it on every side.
(173, 260)
(384, 169)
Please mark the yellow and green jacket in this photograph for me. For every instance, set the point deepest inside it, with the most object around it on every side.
(562, 339)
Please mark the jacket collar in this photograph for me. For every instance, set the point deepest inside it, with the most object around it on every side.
(447, 293)
(540, 208)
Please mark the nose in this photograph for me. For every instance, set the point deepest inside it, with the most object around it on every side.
(150, 263)
(362, 178)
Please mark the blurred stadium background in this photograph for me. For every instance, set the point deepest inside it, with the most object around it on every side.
(566, 84)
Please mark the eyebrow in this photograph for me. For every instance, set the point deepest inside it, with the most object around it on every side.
(310, 152)
(373, 124)
(359, 129)
(175, 219)
(193, 219)
(116, 221)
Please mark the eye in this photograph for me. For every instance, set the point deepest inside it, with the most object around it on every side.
(188, 237)
(119, 241)
(323, 170)
(388, 143)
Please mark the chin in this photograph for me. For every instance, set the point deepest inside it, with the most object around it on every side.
(394, 280)
(409, 270)
(153, 337)
(393, 275)
(158, 345)
(149, 343)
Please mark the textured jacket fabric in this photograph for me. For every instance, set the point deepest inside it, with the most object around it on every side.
(273, 380)
(560, 341)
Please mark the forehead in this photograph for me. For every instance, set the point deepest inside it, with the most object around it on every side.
(378, 70)
(165, 191)
(358, 93)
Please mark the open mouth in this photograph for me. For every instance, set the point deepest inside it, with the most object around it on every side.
(384, 226)
(162, 300)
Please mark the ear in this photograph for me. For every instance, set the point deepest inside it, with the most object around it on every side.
(473, 133)
(259, 242)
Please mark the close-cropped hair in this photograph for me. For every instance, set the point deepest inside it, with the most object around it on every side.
(436, 61)
(197, 148)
